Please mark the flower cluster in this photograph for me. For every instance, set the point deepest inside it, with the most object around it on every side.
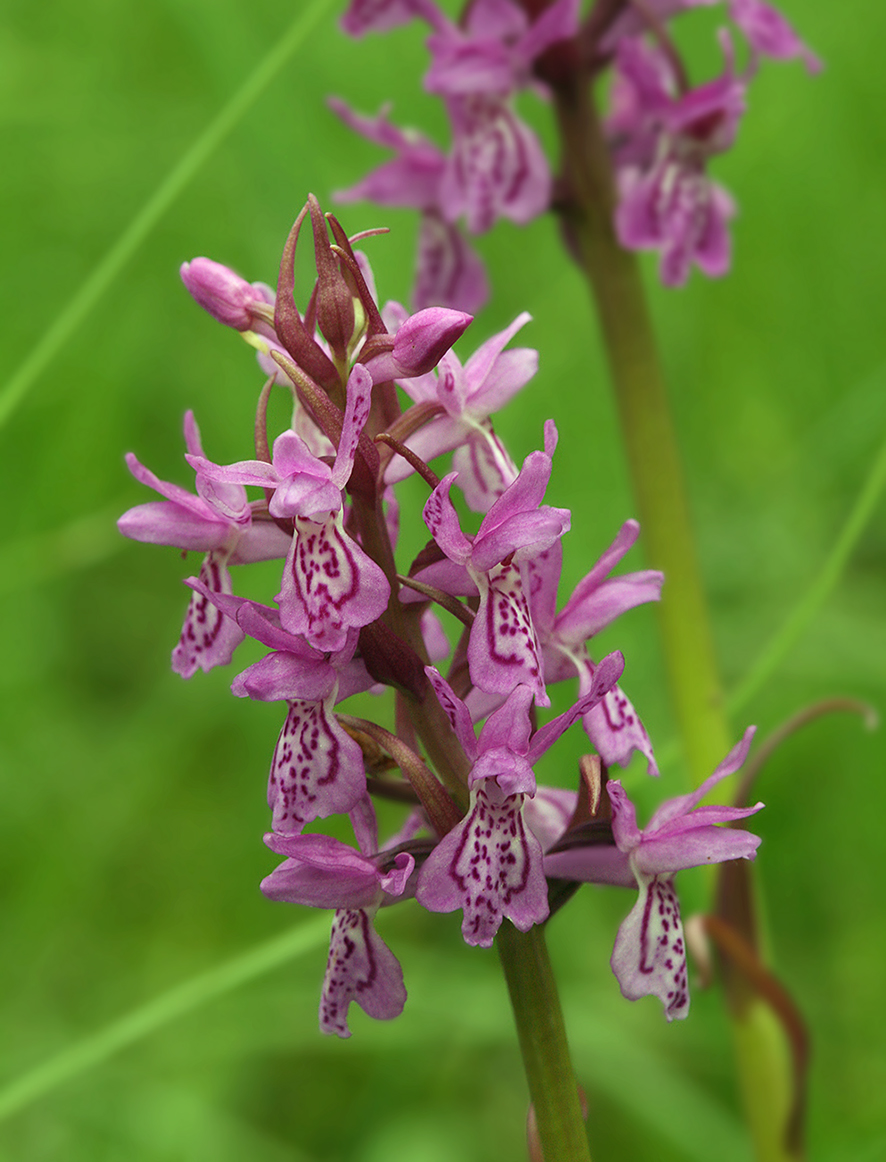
(478, 835)
(661, 129)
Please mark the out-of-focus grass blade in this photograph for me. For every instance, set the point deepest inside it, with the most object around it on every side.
(146, 219)
(806, 609)
(39, 557)
(681, 1113)
(147, 1019)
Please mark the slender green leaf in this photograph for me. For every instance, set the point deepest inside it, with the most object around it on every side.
(58, 333)
(168, 1007)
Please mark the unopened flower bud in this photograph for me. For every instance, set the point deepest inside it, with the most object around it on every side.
(336, 317)
(224, 294)
(420, 344)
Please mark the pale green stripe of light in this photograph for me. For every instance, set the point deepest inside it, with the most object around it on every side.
(803, 614)
(140, 227)
(177, 1002)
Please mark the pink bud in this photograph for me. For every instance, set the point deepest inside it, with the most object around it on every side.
(224, 294)
(420, 344)
(425, 338)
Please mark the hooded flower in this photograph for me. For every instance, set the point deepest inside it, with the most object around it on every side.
(613, 725)
(321, 872)
(469, 395)
(649, 958)
(317, 768)
(330, 585)
(218, 521)
(490, 864)
(503, 649)
(662, 143)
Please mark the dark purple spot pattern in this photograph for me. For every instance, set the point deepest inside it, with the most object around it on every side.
(504, 649)
(208, 637)
(490, 164)
(618, 711)
(613, 725)
(662, 949)
(433, 513)
(332, 586)
(490, 866)
(485, 469)
(360, 968)
(317, 769)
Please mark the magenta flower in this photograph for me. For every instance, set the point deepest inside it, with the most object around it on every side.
(317, 768)
(448, 272)
(217, 521)
(503, 649)
(662, 144)
(329, 585)
(649, 958)
(497, 167)
(490, 865)
(224, 294)
(770, 34)
(493, 53)
(365, 16)
(613, 725)
(766, 30)
(470, 394)
(321, 872)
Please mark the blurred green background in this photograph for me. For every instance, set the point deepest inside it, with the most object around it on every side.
(133, 804)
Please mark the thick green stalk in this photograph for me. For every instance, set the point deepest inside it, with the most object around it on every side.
(647, 429)
(539, 1020)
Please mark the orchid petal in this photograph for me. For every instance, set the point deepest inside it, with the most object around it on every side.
(675, 808)
(359, 401)
(281, 677)
(485, 360)
(329, 584)
(696, 847)
(595, 864)
(442, 520)
(605, 676)
(320, 872)
(509, 726)
(317, 769)
(485, 470)
(490, 865)
(360, 968)
(615, 729)
(456, 712)
(208, 636)
(166, 522)
(649, 957)
(503, 649)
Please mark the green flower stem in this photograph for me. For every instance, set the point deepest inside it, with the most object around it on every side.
(647, 429)
(539, 1020)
